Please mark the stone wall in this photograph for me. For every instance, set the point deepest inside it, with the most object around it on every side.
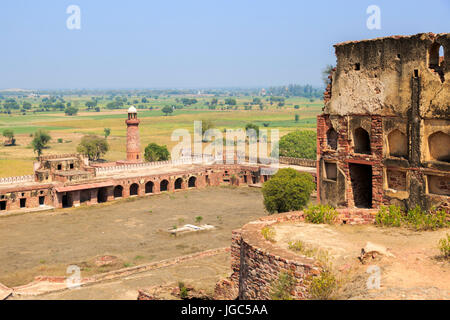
(256, 263)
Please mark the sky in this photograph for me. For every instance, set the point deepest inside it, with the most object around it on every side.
(191, 43)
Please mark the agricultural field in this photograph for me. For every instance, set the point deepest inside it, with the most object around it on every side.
(66, 131)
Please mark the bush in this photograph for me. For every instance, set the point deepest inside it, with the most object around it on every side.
(416, 218)
(287, 190)
(71, 111)
(444, 247)
(268, 234)
(320, 214)
(183, 290)
(323, 286)
(155, 152)
(282, 287)
(299, 144)
(302, 248)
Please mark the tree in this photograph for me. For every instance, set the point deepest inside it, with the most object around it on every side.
(91, 104)
(9, 134)
(325, 73)
(288, 190)
(253, 126)
(299, 144)
(93, 147)
(167, 110)
(230, 101)
(297, 117)
(71, 111)
(155, 152)
(107, 132)
(40, 140)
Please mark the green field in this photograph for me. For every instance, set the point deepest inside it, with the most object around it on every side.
(155, 126)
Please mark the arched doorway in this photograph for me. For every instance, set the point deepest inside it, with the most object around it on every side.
(362, 141)
(178, 183)
(134, 189)
(149, 187)
(118, 192)
(192, 182)
(163, 185)
(102, 195)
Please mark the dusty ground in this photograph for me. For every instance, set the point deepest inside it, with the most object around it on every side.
(202, 274)
(46, 243)
(415, 271)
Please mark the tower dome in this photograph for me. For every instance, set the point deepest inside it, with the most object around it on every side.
(132, 109)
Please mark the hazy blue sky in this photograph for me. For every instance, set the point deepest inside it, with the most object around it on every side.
(191, 43)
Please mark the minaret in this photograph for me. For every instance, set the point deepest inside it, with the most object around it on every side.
(133, 144)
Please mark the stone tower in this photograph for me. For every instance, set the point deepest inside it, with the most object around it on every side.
(133, 143)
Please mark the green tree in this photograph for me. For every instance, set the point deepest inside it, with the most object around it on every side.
(107, 132)
(167, 110)
(9, 134)
(288, 190)
(71, 111)
(250, 126)
(325, 73)
(297, 117)
(299, 144)
(93, 147)
(40, 141)
(155, 152)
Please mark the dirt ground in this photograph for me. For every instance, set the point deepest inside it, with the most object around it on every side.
(134, 231)
(202, 274)
(414, 272)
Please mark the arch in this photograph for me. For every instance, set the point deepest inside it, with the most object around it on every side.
(192, 182)
(362, 141)
(332, 138)
(398, 144)
(178, 183)
(149, 187)
(118, 192)
(134, 189)
(438, 145)
(163, 185)
(102, 195)
(436, 60)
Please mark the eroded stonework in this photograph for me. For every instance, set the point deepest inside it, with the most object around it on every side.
(384, 135)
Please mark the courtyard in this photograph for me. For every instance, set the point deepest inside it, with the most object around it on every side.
(133, 231)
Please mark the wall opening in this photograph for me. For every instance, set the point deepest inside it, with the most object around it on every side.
(163, 185)
(438, 145)
(178, 183)
(208, 182)
(361, 179)
(85, 196)
(398, 144)
(23, 203)
(438, 185)
(357, 66)
(67, 201)
(149, 187)
(41, 200)
(436, 60)
(191, 182)
(396, 179)
(332, 138)
(102, 195)
(362, 141)
(118, 192)
(134, 188)
(2, 205)
(59, 167)
(245, 178)
(71, 166)
(254, 179)
(331, 171)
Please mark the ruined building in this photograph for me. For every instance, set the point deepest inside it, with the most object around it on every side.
(384, 135)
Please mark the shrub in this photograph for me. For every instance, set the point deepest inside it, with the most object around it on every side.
(302, 248)
(183, 290)
(60, 140)
(323, 286)
(320, 214)
(287, 190)
(416, 218)
(268, 233)
(282, 287)
(444, 247)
